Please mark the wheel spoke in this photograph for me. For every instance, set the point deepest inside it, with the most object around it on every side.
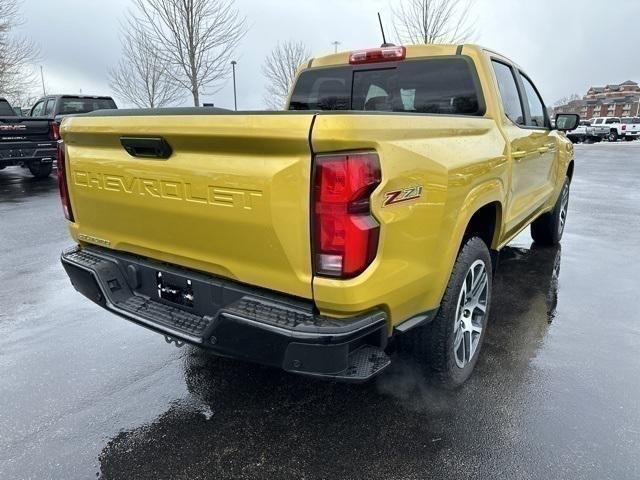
(480, 306)
(458, 339)
(479, 286)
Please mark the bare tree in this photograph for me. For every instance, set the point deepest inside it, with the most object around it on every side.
(567, 99)
(196, 37)
(17, 54)
(433, 21)
(143, 77)
(280, 69)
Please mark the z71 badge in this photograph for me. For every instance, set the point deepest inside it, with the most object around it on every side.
(404, 195)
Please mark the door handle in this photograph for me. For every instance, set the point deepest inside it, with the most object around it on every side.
(518, 155)
(147, 147)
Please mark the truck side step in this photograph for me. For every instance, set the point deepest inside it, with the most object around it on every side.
(363, 364)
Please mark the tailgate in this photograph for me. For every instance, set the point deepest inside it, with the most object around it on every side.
(231, 200)
(16, 129)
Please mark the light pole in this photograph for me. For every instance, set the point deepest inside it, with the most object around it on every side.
(335, 45)
(235, 99)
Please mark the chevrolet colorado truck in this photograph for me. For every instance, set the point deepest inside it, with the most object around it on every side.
(27, 142)
(306, 239)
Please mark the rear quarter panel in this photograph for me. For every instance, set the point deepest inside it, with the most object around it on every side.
(460, 164)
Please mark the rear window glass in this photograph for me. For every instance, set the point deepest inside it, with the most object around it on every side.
(83, 105)
(6, 110)
(446, 86)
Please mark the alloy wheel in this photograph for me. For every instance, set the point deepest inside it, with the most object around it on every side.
(471, 313)
(564, 206)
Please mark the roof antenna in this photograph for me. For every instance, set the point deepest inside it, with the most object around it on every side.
(384, 40)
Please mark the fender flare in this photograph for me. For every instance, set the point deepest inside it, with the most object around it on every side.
(491, 191)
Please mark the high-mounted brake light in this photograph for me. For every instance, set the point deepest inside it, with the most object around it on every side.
(345, 234)
(62, 182)
(373, 55)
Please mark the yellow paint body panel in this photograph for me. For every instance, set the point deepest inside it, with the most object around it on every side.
(234, 198)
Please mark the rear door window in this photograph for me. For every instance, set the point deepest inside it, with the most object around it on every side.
(38, 109)
(51, 103)
(508, 92)
(444, 86)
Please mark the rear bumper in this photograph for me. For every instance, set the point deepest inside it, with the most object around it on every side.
(24, 154)
(229, 318)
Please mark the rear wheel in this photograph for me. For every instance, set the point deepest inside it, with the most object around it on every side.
(548, 228)
(451, 343)
(40, 170)
(613, 136)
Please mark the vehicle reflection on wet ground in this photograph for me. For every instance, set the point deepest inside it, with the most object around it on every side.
(555, 393)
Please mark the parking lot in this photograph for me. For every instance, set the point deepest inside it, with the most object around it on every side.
(556, 393)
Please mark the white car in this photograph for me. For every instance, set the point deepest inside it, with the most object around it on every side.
(631, 126)
(607, 127)
(580, 133)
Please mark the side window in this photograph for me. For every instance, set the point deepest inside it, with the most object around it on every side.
(536, 107)
(38, 109)
(49, 109)
(509, 92)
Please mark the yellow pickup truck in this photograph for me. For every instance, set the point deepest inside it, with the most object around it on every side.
(372, 208)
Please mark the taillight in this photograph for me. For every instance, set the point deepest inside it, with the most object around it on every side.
(624, 127)
(373, 55)
(345, 234)
(55, 131)
(62, 182)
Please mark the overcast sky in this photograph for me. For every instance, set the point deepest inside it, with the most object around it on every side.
(565, 46)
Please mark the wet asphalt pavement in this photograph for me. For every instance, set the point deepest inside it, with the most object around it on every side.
(556, 393)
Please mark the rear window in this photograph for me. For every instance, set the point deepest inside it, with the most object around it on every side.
(445, 86)
(83, 105)
(6, 110)
(612, 120)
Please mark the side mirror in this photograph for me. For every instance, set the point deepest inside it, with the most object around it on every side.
(566, 122)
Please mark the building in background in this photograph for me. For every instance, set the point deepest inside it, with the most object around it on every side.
(615, 100)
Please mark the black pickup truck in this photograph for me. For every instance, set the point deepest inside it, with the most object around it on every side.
(29, 142)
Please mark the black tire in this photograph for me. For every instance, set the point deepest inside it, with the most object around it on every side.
(613, 136)
(41, 170)
(548, 228)
(433, 344)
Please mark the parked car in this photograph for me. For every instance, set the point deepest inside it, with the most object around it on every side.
(304, 240)
(59, 106)
(632, 127)
(609, 128)
(26, 142)
(579, 134)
